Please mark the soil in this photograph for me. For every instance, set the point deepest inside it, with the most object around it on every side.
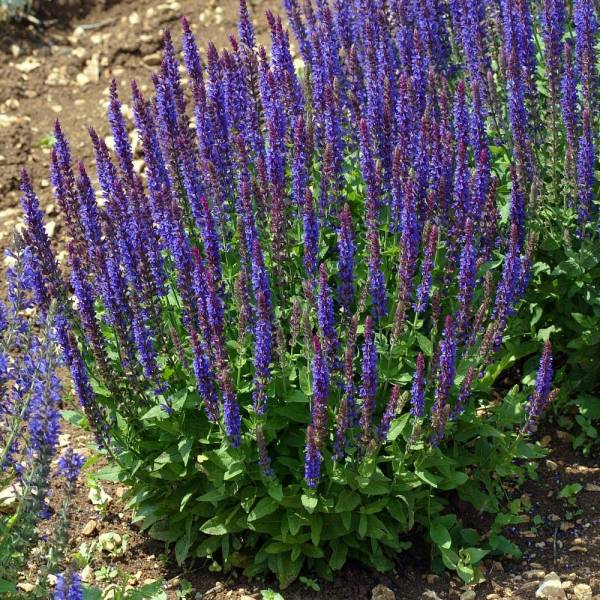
(62, 70)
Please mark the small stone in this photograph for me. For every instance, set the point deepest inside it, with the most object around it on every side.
(90, 527)
(15, 50)
(492, 597)
(534, 574)
(28, 65)
(551, 588)
(554, 517)
(12, 104)
(381, 592)
(149, 581)
(566, 526)
(429, 595)
(26, 587)
(567, 585)
(134, 18)
(246, 597)
(79, 52)
(87, 574)
(468, 595)
(592, 487)
(153, 60)
(552, 466)
(580, 549)
(582, 591)
(51, 228)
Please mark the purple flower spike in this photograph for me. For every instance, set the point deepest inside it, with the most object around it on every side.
(417, 393)
(540, 399)
(447, 366)
(586, 27)
(466, 278)
(586, 178)
(424, 290)
(368, 389)
(346, 261)
(389, 414)
(310, 234)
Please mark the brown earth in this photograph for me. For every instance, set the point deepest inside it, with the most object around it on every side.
(63, 70)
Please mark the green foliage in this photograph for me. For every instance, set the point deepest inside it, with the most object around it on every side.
(206, 499)
(563, 302)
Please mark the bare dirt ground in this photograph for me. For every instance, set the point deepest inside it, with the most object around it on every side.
(63, 71)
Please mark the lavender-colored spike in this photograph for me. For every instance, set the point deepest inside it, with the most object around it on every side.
(539, 400)
(424, 289)
(326, 318)
(446, 372)
(346, 261)
(417, 392)
(245, 27)
(368, 388)
(586, 178)
(586, 27)
(389, 414)
(310, 234)
(466, 278)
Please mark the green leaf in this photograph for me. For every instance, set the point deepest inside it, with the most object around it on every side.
(316, 526)
(425, 344)
(265, 506)
(338, 554)
(309, 502)
(347, 501)
(440, 535)
(156, 412)
(7, 587)
(476, 554)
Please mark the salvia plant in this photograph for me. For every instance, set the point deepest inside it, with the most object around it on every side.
(30, 397)
(288, 330)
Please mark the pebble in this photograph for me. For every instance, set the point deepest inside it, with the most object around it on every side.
(381, 592)
(134, 18)
(90, 527)
(580, 549)
(153, 60)
(429, 595)
(552, 466)
(592, 487)
(551, 588)
(87, 574)
(12, 104)
(534, 574)
(15, 50)
(468, 595)
(582, 591)
(26, 587)
(28, 65)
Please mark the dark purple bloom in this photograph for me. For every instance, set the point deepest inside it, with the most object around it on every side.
(424, 289)
(417, 392)
(45, 273)
(326, 317)
(316, 431)
(264, 460)
(569, 101)
(368, 388)
(539, 400)
(586, 178)
(245, 27)
(466, 277)
(553, 27)
(346, 261)
(68, 587)
(389, 414)
(586, 27)
(69, 465)
(446, 372)
(310, 234)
